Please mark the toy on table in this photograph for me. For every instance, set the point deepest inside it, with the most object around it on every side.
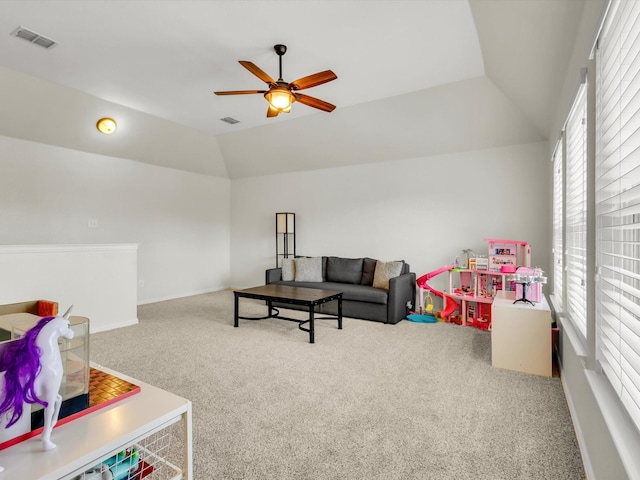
(529, 283)
(33, 371)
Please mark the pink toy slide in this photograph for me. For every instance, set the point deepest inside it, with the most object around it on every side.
(450, 305)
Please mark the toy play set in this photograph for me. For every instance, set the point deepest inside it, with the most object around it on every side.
(474, 280)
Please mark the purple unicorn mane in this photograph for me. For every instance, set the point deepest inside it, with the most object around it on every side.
(20, 362)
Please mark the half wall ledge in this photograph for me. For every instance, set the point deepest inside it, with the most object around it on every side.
(99, 280)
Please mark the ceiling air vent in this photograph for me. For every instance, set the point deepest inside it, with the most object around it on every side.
(230, 120)
(33, 37)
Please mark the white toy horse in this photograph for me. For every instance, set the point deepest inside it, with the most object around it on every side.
(33, 372)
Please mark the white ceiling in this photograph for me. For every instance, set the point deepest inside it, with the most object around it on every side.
(415, 78)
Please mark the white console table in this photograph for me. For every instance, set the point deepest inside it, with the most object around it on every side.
(521, 335)
(86, 441)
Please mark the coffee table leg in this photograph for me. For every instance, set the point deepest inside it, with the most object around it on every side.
(235, 310)
(311, 331)
(340, 313)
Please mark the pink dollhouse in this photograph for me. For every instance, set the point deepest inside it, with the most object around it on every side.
(469, 301)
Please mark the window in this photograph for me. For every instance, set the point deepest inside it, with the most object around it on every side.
(618, 202)
(576, 212)
(558, 215)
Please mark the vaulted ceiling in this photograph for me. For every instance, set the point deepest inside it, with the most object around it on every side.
(415, 78)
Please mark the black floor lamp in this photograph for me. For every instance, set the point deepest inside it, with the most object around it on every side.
(285, 236)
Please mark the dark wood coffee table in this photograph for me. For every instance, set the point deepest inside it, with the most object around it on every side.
(307, 297)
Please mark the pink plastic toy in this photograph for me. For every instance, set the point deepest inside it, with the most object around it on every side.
(450, 305)
(509, 253)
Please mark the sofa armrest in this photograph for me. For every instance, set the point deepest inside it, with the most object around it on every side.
(402, 289)
(273, 275)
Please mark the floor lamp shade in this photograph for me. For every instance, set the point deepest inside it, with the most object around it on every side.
(285, 223)
(285, 236)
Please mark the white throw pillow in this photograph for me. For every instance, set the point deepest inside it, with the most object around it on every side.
(288, 269)
(385, 271)
(308, 269)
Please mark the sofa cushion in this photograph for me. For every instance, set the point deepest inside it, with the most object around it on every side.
(288, 269)
(344, 270)
(355, 293)
(368, 269)
(385, 271)
(308, 269)
(363, 293)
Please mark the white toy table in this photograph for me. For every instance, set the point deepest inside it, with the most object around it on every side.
(521, 335)
(86, 441)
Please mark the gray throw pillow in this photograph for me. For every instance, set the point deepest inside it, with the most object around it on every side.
(368, 269)
(384, 272)
(288, 269)
(344, 270)
(308, 269)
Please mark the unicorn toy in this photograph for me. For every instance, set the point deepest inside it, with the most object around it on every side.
(33, 371)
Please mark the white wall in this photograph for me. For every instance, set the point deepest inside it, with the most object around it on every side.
(179, 219)
(98, 280)
(422, 210)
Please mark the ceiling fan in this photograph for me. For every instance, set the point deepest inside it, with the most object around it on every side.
(281, 94)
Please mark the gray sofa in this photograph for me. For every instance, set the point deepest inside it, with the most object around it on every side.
(354, 277)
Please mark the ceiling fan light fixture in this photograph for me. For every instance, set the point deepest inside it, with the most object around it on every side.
(280, 99)
(280, 94)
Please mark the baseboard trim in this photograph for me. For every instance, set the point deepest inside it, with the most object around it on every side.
(180, 295)
(113, 326)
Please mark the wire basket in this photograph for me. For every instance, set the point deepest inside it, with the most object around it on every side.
(154, 457)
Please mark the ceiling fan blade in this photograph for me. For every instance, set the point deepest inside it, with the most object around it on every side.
(272, 112)
(314, 102)
(253, 68)
(240, 92)
(313, 80)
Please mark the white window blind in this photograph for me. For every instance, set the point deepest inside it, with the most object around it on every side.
(576, 212)
(618, 202)
(558, 263)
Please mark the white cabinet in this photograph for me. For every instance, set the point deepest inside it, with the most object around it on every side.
(521, 335)
(154, 422)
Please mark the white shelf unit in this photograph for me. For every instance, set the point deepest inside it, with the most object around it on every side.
(521, 335)
(136, 421)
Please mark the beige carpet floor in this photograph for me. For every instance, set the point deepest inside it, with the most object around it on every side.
(371, 401)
